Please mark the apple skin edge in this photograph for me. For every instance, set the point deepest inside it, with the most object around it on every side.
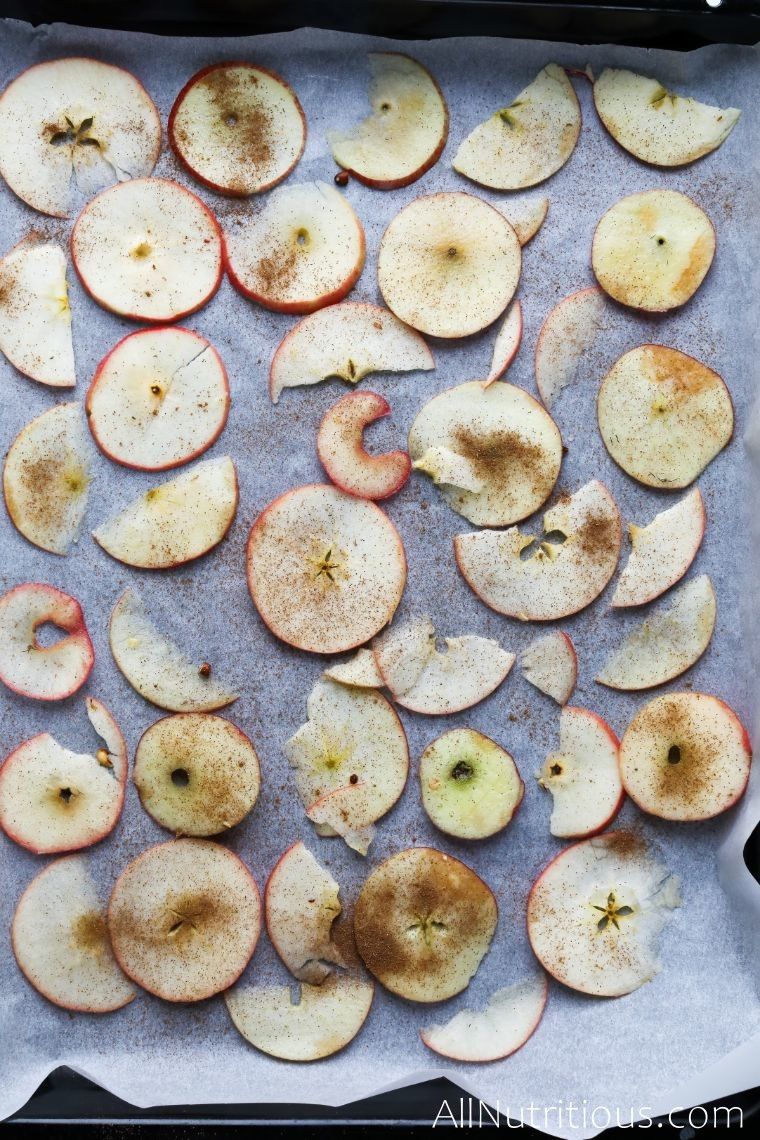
(383, 409)
(698, 543)
(621, 798)
(76, 629)
(534, 1027)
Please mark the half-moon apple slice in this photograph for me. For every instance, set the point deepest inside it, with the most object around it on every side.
(301, 905)
(508, 1021)
(566, 335)
(341, 450)
(506, 344)
(550, 664)
(43, 672)
(662, 551)
(35, 318)
(583, 776)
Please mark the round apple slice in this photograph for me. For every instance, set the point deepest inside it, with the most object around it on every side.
(506, 344)
(158, 399)
(407, 130)
(662, 551)
(302, 250)
(423, 923)
(148, 250)
(596, 912)
(526, 217)
(175, 522)
(301, 904)
(663, 415)
(583, 776)
(74, 123)
(470, 786)
(448, 264)
(567, 334)
(510, 1018)
(528, 141)
(342, 453)
(652, 250)
(551, 576)
(46, 478)
(360, 670)
(326, 570)
(494, 451)
(184, 919)
(237, 128)
(197, 774)
(60, 940)
(43, 672)
(35, 318)
(550, 664)
(685, 756)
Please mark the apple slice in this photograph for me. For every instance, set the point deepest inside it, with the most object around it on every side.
(685, 756)
(349, 812)
(301, 904)
(662, 551)
(360, 670)
(596, 912)
(148, 250)
(656, 125)
(583, 776)
(71, 125)
(156, 668)
(506, 344)
(158, 399)
(448, 264)
(526, 217)
(551, 576)
(326, 570)
(46, 478)
(652, 250)
(550, 664)
(406, 131)
(506, 450)
(43, 672)
(237, 128)
(302, 250)
(349, 341)
(663, 415)
(342, 453)
(423, 922)
(60, 941)
(196, 774)
(470, 786)
(35, 318)
(184, 919)
(324, 1020)
(175, 522)
(567, 334)
(528, 141)
(510, 1018)
(53, 799)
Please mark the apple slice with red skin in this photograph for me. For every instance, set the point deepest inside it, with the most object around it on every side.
(566, 335)
(301, 905)
(583, 776)
(342, 453)
(35, 318)
(44, 673)
(510, 1018)
(662, 551)
(550, 663)
(360, 670)
(526, 218)
(506, 344)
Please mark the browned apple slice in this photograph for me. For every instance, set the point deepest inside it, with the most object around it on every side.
(341, 450)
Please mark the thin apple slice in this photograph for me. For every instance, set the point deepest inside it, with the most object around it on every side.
(175, 522)
(43, 672)
(71, 126)
(148, 250)
(550, 664)
(506, 344)
(301, 905)
(526, 217)
(656, 125)
(406, 131)
(508, 1021)
(237, 128)
(528, 141)
(662, 551)
(448, 264)
(349, 812)
(46, 478)
(35, 318)
(544, 578)
(663, 415)
(158, 399)
(567, 334)
(341, 450)
(60, 940)
(470, 786)
(583, 776)
(360, 670)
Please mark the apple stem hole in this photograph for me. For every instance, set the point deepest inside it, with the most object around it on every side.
(180, 778)
(231, 119)
(661, 241)
(47, 634)
(65, 794)
(556, 769)
(302, 237)
(461, 770)
(674, 754)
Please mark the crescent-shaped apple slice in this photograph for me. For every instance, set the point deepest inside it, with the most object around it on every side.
(526, 217)
(567, 334)
(301, 905)
(35, 318)
(583, 776)
(341, 450)
(360, 670)
(550, 664)
(43, 672)
(506, 344)
(509, 1020)
(662, 551)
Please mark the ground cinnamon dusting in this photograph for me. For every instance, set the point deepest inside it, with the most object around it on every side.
(499, 456)
(597, 535)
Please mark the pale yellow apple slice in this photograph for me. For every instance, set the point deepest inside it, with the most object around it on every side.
(470, 785)
(662, 551)
(567, 334)
(583, 776)
(35, 318)
(360, 670)
(506, 344)
(550, 664)
(509, 1020)
(300, 905)
(526, 217)
(43, 672)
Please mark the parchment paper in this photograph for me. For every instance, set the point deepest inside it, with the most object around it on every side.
(686, 1036)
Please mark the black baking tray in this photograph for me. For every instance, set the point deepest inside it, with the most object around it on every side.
(66, 1104)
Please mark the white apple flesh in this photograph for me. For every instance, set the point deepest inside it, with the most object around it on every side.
(506, 344)
(567, 334)
(550, 664)
(360, 670)
(583, 776)
(43, 672)
(349, 812)
(301, 905)
(35, 318)
(509, 1020)
(526, 217)
(342, 453)
(662, 551)
(470, 786)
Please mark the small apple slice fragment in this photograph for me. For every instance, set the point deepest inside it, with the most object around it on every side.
(237, 128)
(448, 264)
(60, 940)
(663, 415)
(652, 250)
(349, 812)
(583, 776)
(46, 478)
(510, 1018)
(526, 218)
(175, 522)
(302, 250)
(506, 344)
(567, 334)
(184, 919)
(661, 552)
(360, 670)
(325, 1019)
(43, 672)
(596, 912)
(35, 318)
(426, 680)
(470, 786)
(543, 578)
(342, 453)
(158, 399)
(550, 664)
(301, 904)
(656, 125)
(406, 131)
(148, 250)
(685, 756)
(528, 141)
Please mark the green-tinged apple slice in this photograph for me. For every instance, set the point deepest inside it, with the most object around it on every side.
(550, 664)
(509, 1020)
(35, 318)
(470, 786)
(526, 217)
(300, 905)
(506, 344)
(583, 776)
(341, 450)
(43, 672)
(360, 670)
(567, 334)
(662, 551)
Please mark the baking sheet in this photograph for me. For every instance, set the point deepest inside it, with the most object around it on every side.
(689, 1034)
